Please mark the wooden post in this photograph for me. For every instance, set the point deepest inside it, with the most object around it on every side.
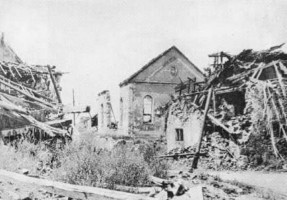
(74, 114)
(113, 112)
(40, 132)
(197, 154)
(54, 84)
(189, 82)
(280, 79)
(214, 103)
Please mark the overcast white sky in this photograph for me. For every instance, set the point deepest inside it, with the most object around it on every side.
(102, 42)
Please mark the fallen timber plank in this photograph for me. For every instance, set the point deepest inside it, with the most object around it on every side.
(62, 122)
(178, 188)
(179, 155)
(26, 88)
(214, 120)
(218, 123)
(216, 91)
(137, 190)
(159, 181)
(21, 101)
(45, 127)
(12, 107)
(73, 191)
(26, 94)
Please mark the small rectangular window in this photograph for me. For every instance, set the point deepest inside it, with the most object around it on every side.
(179, 134)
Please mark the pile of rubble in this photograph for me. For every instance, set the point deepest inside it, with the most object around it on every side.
(223, 153)
(217, 153)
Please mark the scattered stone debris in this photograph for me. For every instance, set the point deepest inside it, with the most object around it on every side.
(200, 185)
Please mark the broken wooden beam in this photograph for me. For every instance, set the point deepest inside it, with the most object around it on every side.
(73, 191)
(216, 91)
(75, 109)
(159, 181)
(54, 84)
(26, 94)
(227, 90)
(197, 154)
(179, 155)
(218, 123)
(214, 102)
(59, 122)
(45, 127)
(214, 120)
(12, 107)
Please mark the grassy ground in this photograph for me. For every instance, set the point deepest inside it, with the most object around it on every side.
(83, 163)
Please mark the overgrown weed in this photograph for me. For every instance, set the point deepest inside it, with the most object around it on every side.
(83, 163)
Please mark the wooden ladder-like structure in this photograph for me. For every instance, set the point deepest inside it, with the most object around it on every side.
(12, 88)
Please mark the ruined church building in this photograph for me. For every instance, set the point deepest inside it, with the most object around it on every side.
(151, 87)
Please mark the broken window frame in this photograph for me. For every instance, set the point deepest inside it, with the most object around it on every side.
(179, 135)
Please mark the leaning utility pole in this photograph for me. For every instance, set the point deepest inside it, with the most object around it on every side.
(74, 114)
(197, 154)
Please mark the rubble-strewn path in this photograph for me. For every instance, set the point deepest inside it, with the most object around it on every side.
(274, 181)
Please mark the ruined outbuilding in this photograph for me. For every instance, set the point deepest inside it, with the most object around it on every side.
(144, 92)
(243, 103)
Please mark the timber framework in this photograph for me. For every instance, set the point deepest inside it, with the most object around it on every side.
(30, 100)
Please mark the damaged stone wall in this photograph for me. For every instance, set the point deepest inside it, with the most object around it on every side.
(190, 130)
(132, 97)
(104, 110)
(126, 98)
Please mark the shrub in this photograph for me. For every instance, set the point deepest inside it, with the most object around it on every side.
(24, 155)
(83, 164)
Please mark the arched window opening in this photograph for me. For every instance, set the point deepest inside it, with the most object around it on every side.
(147, 109)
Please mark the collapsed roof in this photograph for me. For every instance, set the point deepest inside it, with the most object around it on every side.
(247, 64)
(29, 94)
(256, 82)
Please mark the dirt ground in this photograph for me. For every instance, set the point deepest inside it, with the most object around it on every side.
(14, 190)
(218, 186)
(273, 181)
